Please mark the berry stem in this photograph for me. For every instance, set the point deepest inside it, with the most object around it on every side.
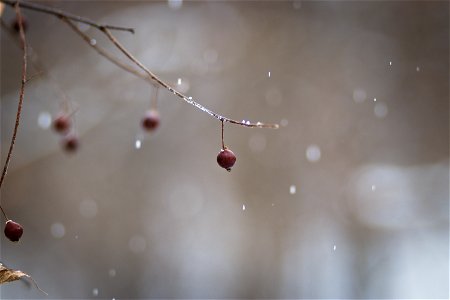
(223, 144)
(4, 213)
(21, 96)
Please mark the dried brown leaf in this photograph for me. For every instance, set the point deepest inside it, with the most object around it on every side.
(8, 275)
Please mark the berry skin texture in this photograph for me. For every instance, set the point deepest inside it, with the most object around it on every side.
(71, 143)
(150, 121)
(62, 123)
(226, 159)
(13, 231)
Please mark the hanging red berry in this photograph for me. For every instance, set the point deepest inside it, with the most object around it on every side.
(226, 159)
(13, 231)
(70, 142)
(150, 121)
(62, 123)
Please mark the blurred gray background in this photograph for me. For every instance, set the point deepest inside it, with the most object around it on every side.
(348, 199)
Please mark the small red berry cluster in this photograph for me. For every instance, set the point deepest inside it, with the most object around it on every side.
(226, 158)
(62, 124)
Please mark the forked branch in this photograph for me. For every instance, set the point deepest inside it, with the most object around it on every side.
(104, 52)
(59, 13)
(147, 75)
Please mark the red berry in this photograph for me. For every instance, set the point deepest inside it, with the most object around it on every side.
(71, 143)
(150, 121)
(62, 123)
(15, 24)
(226, 159)
(13, 231)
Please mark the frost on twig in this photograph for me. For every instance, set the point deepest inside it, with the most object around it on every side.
(180, 95)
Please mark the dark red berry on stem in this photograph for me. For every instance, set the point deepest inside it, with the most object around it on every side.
(226, 159)
(62, 123)
(71, 143)
(16, 26)
(150, 121)
(13, 231)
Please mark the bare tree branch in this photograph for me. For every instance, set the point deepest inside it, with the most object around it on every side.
(179, 94)
(147, 75)
(21, 96)
(60, 14)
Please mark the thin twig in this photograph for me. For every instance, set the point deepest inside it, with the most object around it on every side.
(179, 94)
(223, 144)
(21, 95)
(36, 285)
(60, 13)
(39, 73)
(148, 75)
(103, 52)
(3, 212)
(115, 60)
